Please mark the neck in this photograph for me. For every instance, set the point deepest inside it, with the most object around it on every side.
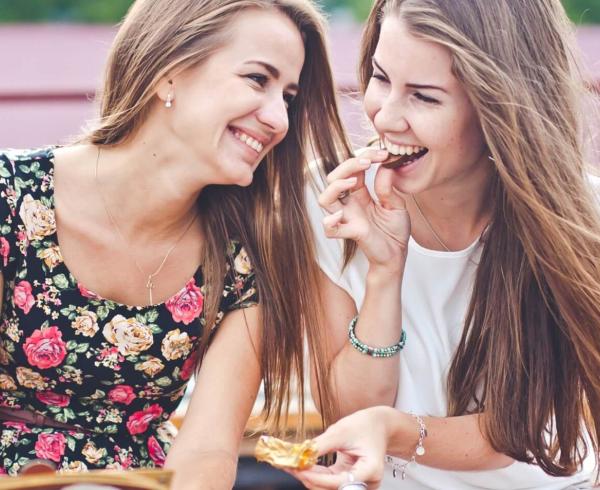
(147, 188)
(457, 213)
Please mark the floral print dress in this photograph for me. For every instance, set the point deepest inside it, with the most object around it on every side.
(116, 371)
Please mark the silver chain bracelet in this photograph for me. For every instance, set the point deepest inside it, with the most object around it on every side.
(419, 450)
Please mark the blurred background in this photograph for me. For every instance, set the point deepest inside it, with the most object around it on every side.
(52, 54)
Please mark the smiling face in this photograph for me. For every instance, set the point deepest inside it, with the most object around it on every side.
(231, 110)
(422, 113)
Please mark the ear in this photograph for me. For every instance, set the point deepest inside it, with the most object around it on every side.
(165, 88)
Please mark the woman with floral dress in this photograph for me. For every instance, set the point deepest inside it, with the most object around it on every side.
(141, 253)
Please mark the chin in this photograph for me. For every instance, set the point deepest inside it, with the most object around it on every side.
(242, 180)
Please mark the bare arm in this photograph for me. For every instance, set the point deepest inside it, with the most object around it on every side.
(204, 455)
(363, 439)
(381, 229)
(452, 443)
(360, 381)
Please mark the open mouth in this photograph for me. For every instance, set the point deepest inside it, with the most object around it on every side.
(396, 161)
(402, 155)
(256, 145)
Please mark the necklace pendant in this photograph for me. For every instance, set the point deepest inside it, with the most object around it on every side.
(149, 287)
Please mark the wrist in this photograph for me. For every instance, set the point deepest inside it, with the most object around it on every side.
(392, 424)
(385, 275)
(403, 434)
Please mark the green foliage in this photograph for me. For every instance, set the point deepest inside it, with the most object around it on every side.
(97, 11)
(583, 11)
(580, 11)
(359, 8)
(111, 11)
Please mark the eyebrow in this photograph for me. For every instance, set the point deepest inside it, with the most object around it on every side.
(410, 85)
(274, 72)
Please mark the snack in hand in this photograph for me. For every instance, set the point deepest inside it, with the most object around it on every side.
(282, 454)
(401, 156)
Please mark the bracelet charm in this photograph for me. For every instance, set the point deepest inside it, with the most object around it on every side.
(419, 450)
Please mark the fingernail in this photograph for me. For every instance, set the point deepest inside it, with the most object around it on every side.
(364, 162)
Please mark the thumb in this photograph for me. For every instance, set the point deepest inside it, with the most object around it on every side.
(389, 197)
(330, 441)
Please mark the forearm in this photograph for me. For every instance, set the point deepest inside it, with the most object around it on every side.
(202, 469)
(452, 443)
(359, 380)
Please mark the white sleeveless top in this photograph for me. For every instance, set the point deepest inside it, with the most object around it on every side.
(435, 298)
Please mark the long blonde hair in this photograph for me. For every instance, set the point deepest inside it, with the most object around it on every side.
(158, 37)
(529, 357)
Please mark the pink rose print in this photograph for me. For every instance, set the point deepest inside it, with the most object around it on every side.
(121, 394)
(156, 452)
(187, 304)
(54, 399)
(4, 250)
(45, 348)
(19, 426)
(50, 446)
(188, 368)
(138, 421)
(23, 297)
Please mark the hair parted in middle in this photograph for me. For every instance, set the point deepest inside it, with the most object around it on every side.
(529, 356)
(162, 37)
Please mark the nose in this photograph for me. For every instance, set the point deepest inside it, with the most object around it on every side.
(392, 116)
(273, 114)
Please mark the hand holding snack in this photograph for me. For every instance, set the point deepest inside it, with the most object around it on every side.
(375, 219)
(286, 455)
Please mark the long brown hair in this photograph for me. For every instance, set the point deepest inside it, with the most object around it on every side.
(529, 356)
(268, 217)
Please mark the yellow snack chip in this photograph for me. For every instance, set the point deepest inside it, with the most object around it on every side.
(282, 454)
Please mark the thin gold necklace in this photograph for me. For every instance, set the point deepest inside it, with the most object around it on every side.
(148, 277)
(437, 237)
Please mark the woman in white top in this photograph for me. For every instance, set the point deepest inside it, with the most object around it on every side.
(479, 250)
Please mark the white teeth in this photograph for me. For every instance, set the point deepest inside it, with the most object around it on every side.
(401, 149)
(249, 140)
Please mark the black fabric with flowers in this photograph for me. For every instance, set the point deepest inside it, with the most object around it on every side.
(117, 371)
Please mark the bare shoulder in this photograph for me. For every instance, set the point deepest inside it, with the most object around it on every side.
(73, 166)
(72, 157)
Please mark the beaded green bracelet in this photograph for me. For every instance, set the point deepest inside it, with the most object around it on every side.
(363, 348)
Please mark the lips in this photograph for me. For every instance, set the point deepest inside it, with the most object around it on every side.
(396, 161)
(245, 138)
(401, 155)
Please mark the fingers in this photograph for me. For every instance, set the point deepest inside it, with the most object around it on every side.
(357, 165)
(329, 198)
(332, 223)
(329, 441)
(389, 197)
(319, 478)
(335, 226)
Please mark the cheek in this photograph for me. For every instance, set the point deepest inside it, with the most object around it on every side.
(469, 138)
(372, 101)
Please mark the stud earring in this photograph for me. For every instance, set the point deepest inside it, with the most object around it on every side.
(169, 101)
